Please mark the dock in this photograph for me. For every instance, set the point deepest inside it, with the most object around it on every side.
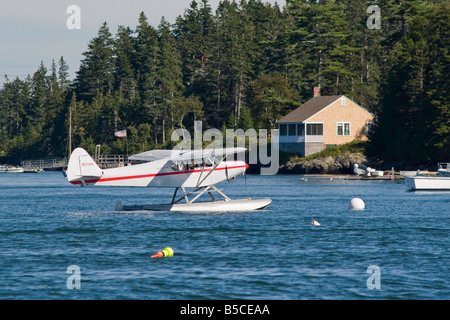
(111, 160)
(59, 164)
(352, 177)
(385, 177)
(52, 164)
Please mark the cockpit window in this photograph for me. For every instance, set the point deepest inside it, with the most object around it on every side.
(195, 163)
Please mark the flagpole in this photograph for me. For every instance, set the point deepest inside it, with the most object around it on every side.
(122, 134)
(126, 142)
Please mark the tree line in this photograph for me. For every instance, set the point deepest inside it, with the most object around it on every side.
(245, 65)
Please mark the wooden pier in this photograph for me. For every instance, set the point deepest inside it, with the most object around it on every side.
(385, 177)
(351, 177)
(59, 164)
(111, 161)
(53, 164)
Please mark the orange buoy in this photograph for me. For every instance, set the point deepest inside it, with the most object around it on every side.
(166, 252)
(160, 254)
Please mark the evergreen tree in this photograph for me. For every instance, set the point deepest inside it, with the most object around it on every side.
(63, 73)
(246, 120)
(146, 60)
(438, 83)
(96, 74)
(126, 96)
(365, 63)
(169, 76)
(270, 98)
(184, 111)
(54, 104)
(124, 51)
(268, 24)
(39, 90)
(410, 125)
(230, 67)
(321, 53)
(192, 32)
(15, 100)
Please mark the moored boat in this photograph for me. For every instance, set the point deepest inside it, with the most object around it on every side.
(444, 169)
(10, 169)
(364, 171)
(427, 183)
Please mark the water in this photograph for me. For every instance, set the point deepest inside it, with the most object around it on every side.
(48, 225)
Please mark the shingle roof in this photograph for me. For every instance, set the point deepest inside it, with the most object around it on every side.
(309, 108)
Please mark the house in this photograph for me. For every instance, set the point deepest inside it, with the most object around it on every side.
(321, 122)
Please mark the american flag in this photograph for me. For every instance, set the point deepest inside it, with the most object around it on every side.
(121, 134)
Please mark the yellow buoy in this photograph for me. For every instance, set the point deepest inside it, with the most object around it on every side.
(166, 252)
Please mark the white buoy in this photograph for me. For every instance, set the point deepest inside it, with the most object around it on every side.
(315, 223)
(356, 204)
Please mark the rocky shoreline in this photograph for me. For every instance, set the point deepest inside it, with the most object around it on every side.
(341, 164)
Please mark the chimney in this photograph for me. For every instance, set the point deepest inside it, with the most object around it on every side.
(316, 92)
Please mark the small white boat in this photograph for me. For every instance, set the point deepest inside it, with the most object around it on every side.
(421, 182)
(411, 173)
(444, 169)
(10, 169)
(363, 170)
(206, 206)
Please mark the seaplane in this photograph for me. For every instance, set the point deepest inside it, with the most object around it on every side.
(193, 173)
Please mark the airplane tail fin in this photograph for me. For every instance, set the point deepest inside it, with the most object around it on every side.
(81, 166)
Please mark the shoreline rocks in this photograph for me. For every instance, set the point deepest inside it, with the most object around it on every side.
(342, 163)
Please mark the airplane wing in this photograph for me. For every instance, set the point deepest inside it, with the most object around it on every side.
(185, 155)
(152, 155)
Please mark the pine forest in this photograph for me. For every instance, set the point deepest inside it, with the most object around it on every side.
(244, 65)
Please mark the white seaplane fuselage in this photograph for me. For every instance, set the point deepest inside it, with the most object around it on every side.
(160, 173)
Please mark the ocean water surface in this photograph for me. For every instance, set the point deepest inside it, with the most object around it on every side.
(396, 248)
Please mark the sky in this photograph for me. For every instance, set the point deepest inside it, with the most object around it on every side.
(32, 31)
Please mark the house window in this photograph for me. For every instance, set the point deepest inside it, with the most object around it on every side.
(314, 129)
(369, 127)
(292, 129)
(300, 129)
(343, 102)
(343, 129)
(283, 129)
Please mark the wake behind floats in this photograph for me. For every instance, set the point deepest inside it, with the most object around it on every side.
(198, 170)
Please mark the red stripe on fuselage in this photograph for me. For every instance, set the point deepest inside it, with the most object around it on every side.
(153, 175)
